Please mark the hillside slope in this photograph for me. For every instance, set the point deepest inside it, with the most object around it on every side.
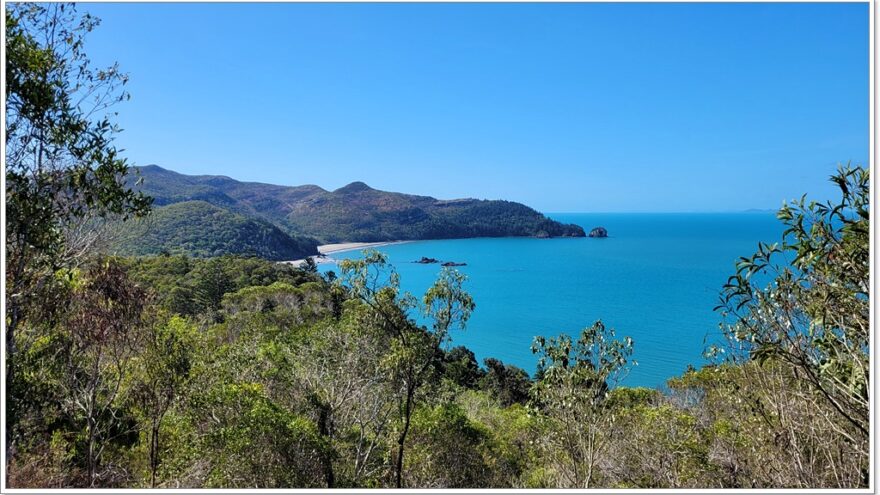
(201, 229)
(355, 212)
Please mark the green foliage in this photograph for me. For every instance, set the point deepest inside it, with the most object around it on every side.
(508, 383)
(190, 286)
(200, 229)
(163, 368)
(572, 391)
(814, 316)
(764, 422)
(511, 452)
(414, 352)
(71, 398)
(447, 303)
(460, 366)
(295, 382)
(238, 372)
(62, 170)
(623, 397)
(307, 302)
(62, 174)
(581, 372)
(449, 450)
(667, 449)
(255, 442)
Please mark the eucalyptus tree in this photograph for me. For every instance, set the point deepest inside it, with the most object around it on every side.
(63, 173)
(167, 350)
(338, 365)
(571, 393)
(801, 308)
(102, 323)
(62, 169)
(414, 350)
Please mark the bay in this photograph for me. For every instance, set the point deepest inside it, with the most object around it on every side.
(656, 278)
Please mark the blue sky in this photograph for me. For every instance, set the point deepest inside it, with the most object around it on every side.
(565, 107)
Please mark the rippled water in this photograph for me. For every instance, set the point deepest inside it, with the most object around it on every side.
(655, 278)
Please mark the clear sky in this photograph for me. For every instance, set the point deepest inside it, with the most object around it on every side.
(565, 107)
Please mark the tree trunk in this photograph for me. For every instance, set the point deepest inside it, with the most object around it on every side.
(10, 377)
(590, 459)
(91, 453)
(10, 335)
(154, 453)
(401, 440)
(324, 430)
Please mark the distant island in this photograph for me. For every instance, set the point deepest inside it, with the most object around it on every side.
(208, 215)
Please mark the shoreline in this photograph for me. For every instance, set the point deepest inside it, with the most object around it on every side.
(341, 247)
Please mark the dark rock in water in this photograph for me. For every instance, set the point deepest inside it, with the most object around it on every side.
(599, 232)
(426, 261)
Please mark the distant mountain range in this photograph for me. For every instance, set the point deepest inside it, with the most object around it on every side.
(207, 215)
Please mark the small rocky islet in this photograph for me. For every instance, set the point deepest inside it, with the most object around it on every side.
(428, 261)
(598, 232)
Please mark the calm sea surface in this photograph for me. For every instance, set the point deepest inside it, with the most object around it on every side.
(655, 278)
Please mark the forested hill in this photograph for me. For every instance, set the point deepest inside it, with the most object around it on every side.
(201, 229)
(355, 212)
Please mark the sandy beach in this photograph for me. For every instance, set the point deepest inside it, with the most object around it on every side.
(327, 249)
(351, 246)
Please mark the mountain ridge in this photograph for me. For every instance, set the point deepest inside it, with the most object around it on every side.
(355, 212)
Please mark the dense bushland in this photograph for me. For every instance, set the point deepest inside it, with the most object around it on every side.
(172, 371)
(238, 372)
(200, 229)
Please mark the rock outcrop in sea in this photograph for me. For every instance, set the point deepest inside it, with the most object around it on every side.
(599, 232)
(427, 261)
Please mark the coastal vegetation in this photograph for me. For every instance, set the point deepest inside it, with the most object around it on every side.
(176, 371)
(201, 229)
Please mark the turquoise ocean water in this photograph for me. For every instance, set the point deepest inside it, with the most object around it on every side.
(655, 278)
